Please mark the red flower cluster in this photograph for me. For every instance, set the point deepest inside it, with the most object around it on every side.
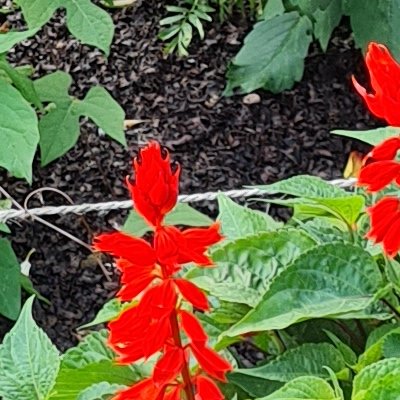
(148, 271)
(380, 166)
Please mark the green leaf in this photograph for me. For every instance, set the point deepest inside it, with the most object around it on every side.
(10, 39)
(347, 352)
(304, 186)
(375, 375)
(272, 56)
(105, 112)
(323, 231)
(10, 287)
(29, 363)
(182, 214)
(54, 87)
(19, 133)
(245, 267)
(306, 7)
(108, 312)
(27, 285)
(92, 349)
(87, 22)
(238, 222)
(272, 9)
(305, 360)
(391, 346)
(373, 136)
(375, 21)
(326, 282)
(99, 391)
(304, 388)
(326, 20)
(71, 382)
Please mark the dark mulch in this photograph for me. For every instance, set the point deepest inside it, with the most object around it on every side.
(221, 143)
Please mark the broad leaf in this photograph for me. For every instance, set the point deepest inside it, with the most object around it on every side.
(182, 214)
(326, 282)
(238, 221)
(373, 136)
(308, 359)
(272, 56)
(246, 267)
(19, 133)
(10, 39)
(391, 346)
(29, 363)
(304, 388)
(87, 22)
(272, 9)
(10, 286)
(100, 391)
(375, 21)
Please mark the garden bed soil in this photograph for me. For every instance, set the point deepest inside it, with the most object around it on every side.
(221, 143)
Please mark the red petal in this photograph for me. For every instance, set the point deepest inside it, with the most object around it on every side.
(207, 389)
(386, 150)
(210, 361)
(174, 393)
(155, 190)
(377, 175)
(144, 390)
(192, 294)
(167, 242)
(118, 244)
(193, 328)
(168, 367)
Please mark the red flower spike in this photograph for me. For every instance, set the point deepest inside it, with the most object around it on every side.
(120, 245)
(378, 175)
(193, 328)
(174, 393)
(192, 294)
(210, 361)
(144, 390)
(155, 190)
(385, 224)
(384, 72)
(207, 389)
(168, 366)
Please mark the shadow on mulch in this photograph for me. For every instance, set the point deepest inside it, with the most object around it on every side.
(221, 143)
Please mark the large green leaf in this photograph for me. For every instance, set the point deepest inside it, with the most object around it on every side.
(100, 391)
(19, 134)
(375, 21)
(10, 286)
(238, 221)
(272, 56)
(10, 39)
(373, 136)
(182, 214)
(374, 376)
(71, 382)
(59, 127)
(87, 22)
(304, 388)
(245, 267)
(327, 281)
(29, 363)
(308, 359)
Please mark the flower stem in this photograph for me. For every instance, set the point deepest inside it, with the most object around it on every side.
(185, 369)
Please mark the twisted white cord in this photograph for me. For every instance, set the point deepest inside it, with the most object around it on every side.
(104, 207)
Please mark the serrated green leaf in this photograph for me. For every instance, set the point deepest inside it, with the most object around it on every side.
(108, 312)
(19, 133)
(71, 382)
(304, 388)
(326, 20)
(99, 106)
(238, 222)
(10, 287)
(272, 56)
(325, 282)
(373, 136)
(305, 360)
(245, 267)
(375, 21)
(29, 363)
(100, 391)
(10, 39)
(391, 346)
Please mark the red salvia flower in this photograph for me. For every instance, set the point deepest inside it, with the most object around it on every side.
(153, 323)
(385, 224)
(384, 72)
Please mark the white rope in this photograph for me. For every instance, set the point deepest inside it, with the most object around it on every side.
(104, 207)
